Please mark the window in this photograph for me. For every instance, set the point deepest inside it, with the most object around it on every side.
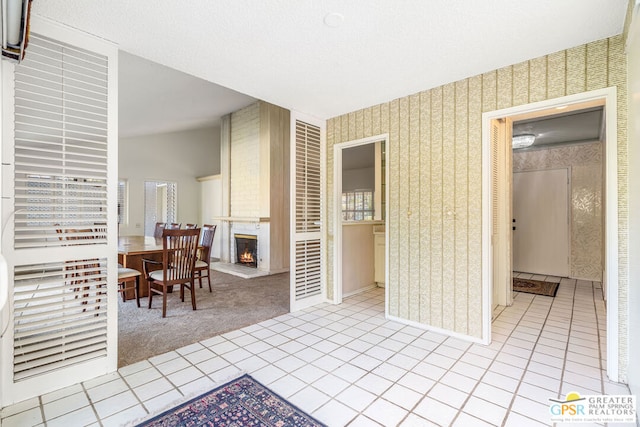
(160, 201)
(357, 205)
(122, 202)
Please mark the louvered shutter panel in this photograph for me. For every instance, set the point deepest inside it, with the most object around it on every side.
(172, 202)
(60, 146)
(495, 158)
(60, 315)
(122, 202)
(306, 252)
(64, 207)
(501, 211)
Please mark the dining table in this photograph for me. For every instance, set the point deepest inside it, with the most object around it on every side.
(132, 250)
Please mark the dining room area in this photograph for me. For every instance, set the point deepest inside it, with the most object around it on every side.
(192, 302)
(176, 198)
(171, 164)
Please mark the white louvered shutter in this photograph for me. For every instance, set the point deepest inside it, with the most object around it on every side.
(306, 201)
(60, 238)
(501, 210)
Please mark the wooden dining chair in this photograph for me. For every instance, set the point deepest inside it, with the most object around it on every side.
(190, 226)
(159, 229)
(202, 264)
(129, 279)
(173, 226)
(179, 252)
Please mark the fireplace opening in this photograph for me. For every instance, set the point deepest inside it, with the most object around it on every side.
(247, 250)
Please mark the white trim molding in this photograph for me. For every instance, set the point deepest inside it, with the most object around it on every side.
(609, 96)
(337, 213)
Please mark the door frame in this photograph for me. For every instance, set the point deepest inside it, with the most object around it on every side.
(608, 98)
(337, 213)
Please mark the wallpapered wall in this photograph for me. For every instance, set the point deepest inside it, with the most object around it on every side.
(435, 171)
(586, 209)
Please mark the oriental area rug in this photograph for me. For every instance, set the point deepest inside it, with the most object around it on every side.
(240, 402)
(535, 287)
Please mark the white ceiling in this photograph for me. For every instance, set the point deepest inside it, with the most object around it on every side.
(564, 128)
(359, 157)
(281, 51)
(153, 98)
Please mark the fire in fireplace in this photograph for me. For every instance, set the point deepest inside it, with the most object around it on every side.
(247, 250)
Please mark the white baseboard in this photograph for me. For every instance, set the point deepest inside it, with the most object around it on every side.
(437, 330)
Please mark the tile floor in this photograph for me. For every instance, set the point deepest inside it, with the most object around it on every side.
(347, 365)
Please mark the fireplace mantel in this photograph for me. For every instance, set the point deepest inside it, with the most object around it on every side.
(242, 218)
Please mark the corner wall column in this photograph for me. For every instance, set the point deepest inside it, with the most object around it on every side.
(225, 172)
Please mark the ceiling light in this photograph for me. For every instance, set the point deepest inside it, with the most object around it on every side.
(523, 141)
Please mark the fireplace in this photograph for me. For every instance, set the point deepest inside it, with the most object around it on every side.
(247, 250)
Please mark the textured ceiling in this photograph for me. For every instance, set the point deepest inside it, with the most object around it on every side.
(282, 51)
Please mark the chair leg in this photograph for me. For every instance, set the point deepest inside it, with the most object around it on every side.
(122, 291)
(209, 279)
(193, 294)
(200, 278)
(164, 302)
(150, 293)
(137, 291)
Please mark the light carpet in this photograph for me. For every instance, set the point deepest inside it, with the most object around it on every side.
(233, 304)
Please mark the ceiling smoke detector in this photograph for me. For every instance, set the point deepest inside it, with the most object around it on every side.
(333, 19)
(523, 141)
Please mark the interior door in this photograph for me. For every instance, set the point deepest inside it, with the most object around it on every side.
(307, 287)
(501, 210)
(540, 209)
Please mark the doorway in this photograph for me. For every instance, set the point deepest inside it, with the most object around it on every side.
(373, 215)
(607, 99)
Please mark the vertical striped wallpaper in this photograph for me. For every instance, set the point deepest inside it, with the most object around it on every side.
(435, 194)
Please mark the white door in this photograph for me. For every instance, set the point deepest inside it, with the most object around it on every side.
(541, 234)
(307, 142)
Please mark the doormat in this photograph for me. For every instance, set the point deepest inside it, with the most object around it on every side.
(535, 287)
(241, 402)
